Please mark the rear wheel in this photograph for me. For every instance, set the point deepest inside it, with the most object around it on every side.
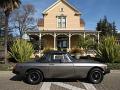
(34, 77)
(95, 76)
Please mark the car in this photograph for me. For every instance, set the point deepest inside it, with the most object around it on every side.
(60, 64)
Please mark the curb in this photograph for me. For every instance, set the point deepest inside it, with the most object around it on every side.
(115, 71)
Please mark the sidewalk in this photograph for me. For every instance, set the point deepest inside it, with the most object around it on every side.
(115, 71)
(6, 73)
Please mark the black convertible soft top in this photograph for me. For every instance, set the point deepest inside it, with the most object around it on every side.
(56, 52)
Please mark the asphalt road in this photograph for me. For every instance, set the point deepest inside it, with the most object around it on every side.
(9, 81)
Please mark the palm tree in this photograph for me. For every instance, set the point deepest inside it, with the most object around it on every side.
(8, 6)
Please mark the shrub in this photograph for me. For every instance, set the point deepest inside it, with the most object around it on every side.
(86, 42)
(108, 50)
(21, 50)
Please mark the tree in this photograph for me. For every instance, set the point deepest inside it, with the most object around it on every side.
(85, 43)
(2, 23)
(8, 6)
(114, 29)
(106, 27)
(22, 19)
(2, 29)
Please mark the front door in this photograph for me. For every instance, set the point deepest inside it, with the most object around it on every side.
(62, 43)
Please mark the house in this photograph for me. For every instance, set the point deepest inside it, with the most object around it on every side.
(61, 27)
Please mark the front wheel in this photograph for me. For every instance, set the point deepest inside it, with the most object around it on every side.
(34, 77)
(95, 76)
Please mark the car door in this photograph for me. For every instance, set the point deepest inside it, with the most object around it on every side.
(43, 65)
(60, 66)
(81, 69)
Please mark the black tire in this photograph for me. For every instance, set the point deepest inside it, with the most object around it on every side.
(95, 76)
(34, 77)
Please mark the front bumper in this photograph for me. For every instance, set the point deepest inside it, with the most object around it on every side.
(15, 72)
(107, 71)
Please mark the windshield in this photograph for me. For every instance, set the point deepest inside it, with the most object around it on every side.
(71, 58)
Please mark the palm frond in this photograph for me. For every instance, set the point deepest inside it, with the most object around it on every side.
(9, 4)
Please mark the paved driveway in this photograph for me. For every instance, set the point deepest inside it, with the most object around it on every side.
(9, 81)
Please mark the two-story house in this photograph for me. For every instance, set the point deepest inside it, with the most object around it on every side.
(61, 27)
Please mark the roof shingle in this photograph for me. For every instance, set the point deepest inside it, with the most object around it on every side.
(40, 22)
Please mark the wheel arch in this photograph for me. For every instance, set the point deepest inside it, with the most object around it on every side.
(34, 69)
(94, 68)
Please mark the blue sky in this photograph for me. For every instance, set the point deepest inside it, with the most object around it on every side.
(92, 10)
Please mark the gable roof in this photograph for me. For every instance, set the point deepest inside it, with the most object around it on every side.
(64, 1)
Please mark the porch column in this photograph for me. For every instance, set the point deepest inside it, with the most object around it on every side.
(69, 41)
(54, 41)
(84, 35)
(98, 37)
(39, 44)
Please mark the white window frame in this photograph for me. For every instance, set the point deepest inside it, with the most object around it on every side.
(61, 23)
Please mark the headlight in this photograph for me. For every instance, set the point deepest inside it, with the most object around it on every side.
(14, 66)
(105, 67)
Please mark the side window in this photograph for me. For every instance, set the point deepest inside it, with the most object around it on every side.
(56, 58)
(60, 58)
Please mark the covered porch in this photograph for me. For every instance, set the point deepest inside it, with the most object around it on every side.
(60, 39)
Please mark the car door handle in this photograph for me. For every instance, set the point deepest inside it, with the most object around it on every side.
(51, 64)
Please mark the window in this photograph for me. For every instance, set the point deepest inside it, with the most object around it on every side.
(60, 58)
(61, 21)
(64, 44)
(56, 58)
(61, 9)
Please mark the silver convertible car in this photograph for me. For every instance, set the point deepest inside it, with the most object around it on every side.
(59, 64)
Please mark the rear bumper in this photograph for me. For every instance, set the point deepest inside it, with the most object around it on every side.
(107, 71)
